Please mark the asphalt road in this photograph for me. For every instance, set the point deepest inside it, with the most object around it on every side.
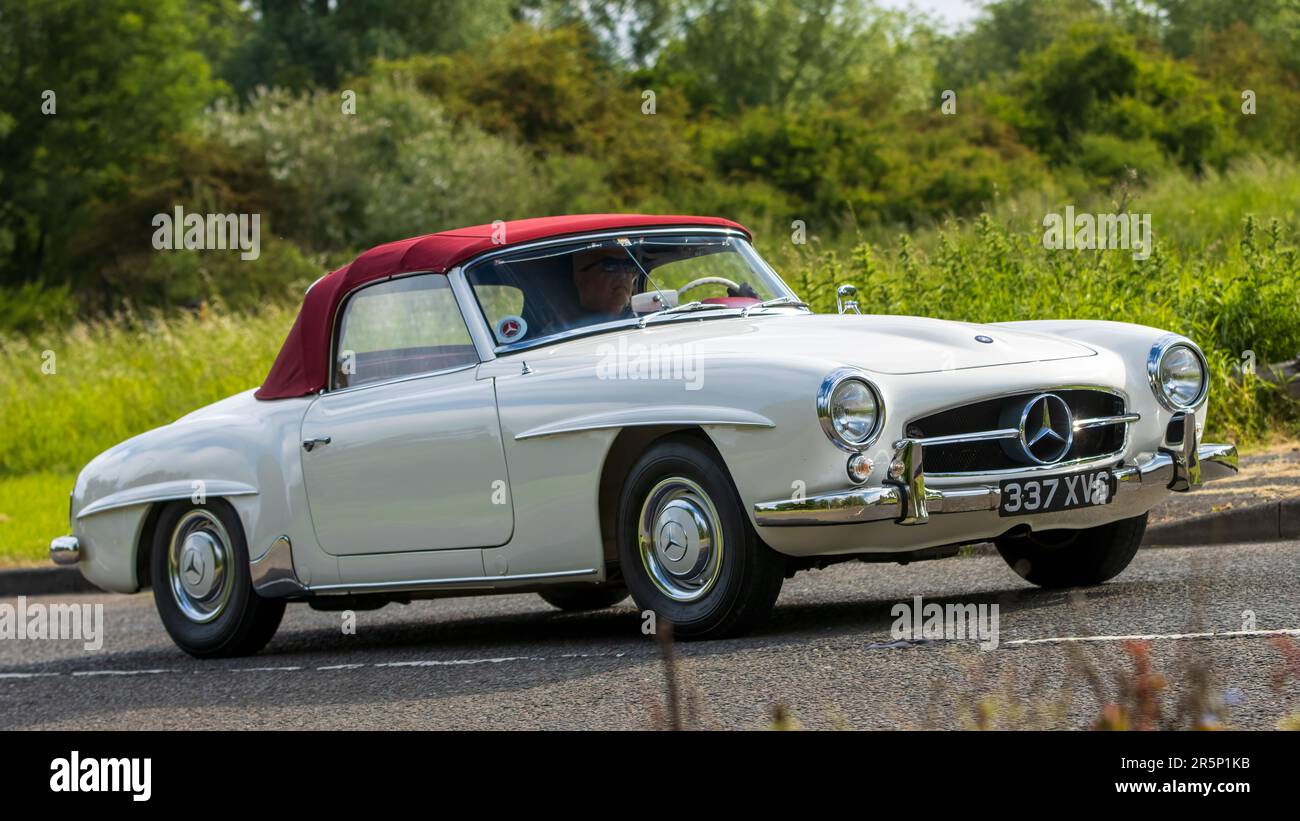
(507, 662)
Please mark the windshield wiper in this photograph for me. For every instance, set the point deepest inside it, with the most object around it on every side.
(793, 302)
(685, 308)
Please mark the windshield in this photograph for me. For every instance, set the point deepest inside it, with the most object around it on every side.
(532, 294)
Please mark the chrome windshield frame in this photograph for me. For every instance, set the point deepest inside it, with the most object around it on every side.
(746, 250)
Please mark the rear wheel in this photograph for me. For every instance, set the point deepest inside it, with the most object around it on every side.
(201, 584)
(687, 549)
(1074, 558)
(597, 598)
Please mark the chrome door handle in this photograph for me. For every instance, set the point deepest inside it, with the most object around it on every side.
(308, 444)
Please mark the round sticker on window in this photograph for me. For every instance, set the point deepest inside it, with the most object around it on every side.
(510, 328)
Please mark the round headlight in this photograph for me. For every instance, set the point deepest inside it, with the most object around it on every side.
(850, 410)
(1178, 376)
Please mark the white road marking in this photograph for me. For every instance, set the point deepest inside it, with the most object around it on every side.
(617, 655)
(121, 672)
(456, 662)
(1152, 636)
(325, 668)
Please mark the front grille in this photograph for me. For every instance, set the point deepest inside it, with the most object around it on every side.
(993, 414)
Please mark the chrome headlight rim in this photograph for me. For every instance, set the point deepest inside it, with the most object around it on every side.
(1159, 350)
(829, 386)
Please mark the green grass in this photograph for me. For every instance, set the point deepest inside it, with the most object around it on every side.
(33, 509)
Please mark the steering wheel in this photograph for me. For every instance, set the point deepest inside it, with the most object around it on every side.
(695, 283)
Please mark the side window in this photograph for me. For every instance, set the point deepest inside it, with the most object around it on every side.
(401, 327)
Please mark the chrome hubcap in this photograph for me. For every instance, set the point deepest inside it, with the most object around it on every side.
(198, 566)
(680, 538)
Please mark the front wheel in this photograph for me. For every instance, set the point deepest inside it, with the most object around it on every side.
(1074, 558)
(687, 550)
(201, 583)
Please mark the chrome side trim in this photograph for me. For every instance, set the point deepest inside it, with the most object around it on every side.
(65, 550)
(643, 417)
(827, 390)
(468, 581)
(913, 503)
(166, 492)
(1158, 350)
(273, 575)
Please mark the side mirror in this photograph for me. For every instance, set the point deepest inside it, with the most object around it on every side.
(846, 299)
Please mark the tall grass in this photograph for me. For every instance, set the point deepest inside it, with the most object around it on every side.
(67, 395)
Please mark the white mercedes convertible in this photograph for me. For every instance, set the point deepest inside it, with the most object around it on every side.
(586, 407)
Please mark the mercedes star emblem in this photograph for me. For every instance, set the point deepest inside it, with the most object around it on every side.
(1046, 429)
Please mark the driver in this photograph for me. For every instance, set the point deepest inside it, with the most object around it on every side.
(604, 278)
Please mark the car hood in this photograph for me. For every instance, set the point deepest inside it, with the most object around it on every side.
(879, 343)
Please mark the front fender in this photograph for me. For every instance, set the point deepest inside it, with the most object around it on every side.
(240, 449)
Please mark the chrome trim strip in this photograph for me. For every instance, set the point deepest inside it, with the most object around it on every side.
(273, 575)
(399, 379)
(1084, 462)
(684, 228)
(165, 492)
(612, 420)
(470, 311)
(892, 502)
(1158, 351)
(832, 381)
(475, 581)
(960, 438)
(65, 550)
(1102, 421)
(867, 504)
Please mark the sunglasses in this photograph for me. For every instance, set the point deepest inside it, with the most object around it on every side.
(613, 266)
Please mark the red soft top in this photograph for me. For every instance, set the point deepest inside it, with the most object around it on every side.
(302, 365)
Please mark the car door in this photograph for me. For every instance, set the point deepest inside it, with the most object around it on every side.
(404, 452)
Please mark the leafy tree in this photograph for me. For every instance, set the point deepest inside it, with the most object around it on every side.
(124, 77)
(317, 44)
(1094, 79)
(782, 53)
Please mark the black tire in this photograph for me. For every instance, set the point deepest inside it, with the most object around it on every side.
(737, 591)
(596, 598)
(1074, 558)
(241, 622)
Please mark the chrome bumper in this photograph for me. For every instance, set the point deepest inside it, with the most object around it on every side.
(65, 550)
(906, 500)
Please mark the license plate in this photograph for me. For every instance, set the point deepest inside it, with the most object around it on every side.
(1048, 494)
